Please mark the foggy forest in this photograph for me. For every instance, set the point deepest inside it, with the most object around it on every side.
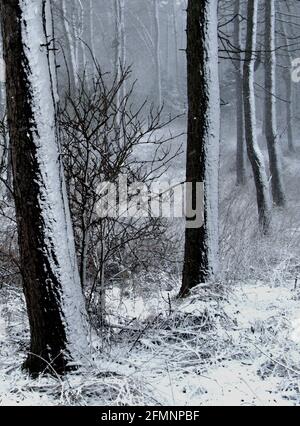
(149, 195)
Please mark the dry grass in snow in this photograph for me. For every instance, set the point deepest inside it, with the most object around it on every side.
(240, 348)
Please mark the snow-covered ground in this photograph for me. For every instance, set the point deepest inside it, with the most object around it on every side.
(236, 342)
(243, 350)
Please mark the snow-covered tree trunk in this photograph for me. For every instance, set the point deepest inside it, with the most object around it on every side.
(289, 112)
(240, 140)
(157, 60)
(270, 106)
(89, 31)
(254, 153)
(80, 21)
(169, 72)
(51, 281)
(201, 245)
(120, 45)
(120, 48)
(76, 33)
(177, 77)
(289, 91)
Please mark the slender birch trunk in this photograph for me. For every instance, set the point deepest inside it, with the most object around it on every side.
(177, 79)
(90, 39)
(157, 60)
(71, 54)
(289, 91)
(270, 106)
(240, 138)
(120, 45)
(254, 153)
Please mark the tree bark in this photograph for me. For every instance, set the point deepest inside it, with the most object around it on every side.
(240, 139)
(157, 60)
(120, 47)
(270, 106)
(289, 91)
(89, 38)
(50, 276)
(254, 153)
(201, 244)
(289, 112)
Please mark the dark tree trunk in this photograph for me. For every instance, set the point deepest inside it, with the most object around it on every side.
(47, 255)
(201, 245)
(287, 77)
(240, 139)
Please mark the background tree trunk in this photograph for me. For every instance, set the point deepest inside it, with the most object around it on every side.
(157, 53)
(270, 106)
(240, 140)
(70, 52)
(288, 84)
(254, 153)
(177, 77)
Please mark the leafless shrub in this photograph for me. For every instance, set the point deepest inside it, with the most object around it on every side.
(9, 263)
(105, 136)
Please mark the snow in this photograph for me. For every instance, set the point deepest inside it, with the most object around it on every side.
(295, 333)
(53, 199)
(247, 354)
(230, 363)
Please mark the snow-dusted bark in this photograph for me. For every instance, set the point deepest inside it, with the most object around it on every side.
(157, 61)
(120, 44)
(240, 139)
(91, 26)
(254, 153)
(270, 106)
(51, 281)
(201, 246)
(289, 91)
(89, 37)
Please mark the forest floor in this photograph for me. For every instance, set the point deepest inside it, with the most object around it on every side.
(235, 342)
(242, 350)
